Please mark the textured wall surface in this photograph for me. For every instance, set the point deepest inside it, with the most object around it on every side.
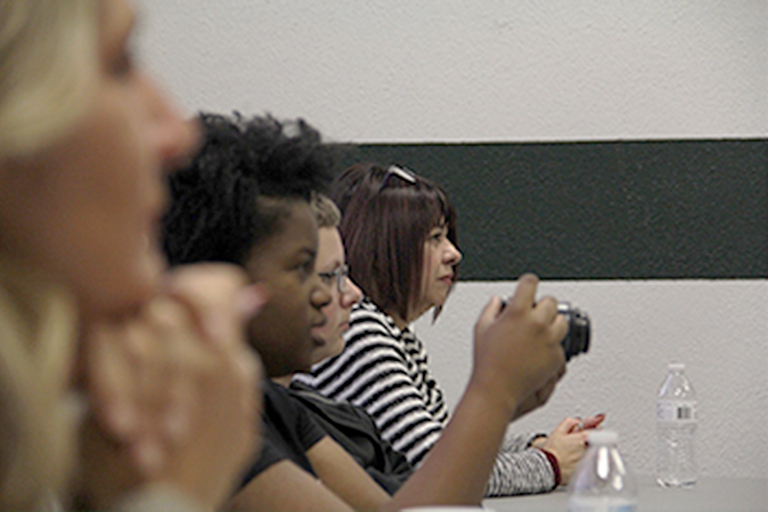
(718, 328)
(496, 70)
(615, 210)
(436, 71)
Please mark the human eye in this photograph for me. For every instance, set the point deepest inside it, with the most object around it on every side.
(306, 267)
(437, 235)
(326, 277)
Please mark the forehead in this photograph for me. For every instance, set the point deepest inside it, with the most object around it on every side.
(296, 232)
(330, 249)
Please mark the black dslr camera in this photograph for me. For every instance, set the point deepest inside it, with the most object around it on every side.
(577, 339)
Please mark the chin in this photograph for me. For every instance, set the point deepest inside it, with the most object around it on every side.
(336, 348)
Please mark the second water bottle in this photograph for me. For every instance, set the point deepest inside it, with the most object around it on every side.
(676, 411)
(602, 482)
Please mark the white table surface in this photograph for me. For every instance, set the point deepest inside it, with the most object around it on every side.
(709, 495)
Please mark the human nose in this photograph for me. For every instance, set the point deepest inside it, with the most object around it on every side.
(352, 294)
(452, 255)
(175, 139)
(321, 294)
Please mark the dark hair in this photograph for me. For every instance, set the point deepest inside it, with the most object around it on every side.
(385, 222)
(216, 211)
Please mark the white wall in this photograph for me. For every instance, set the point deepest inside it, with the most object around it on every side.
(718, 328)
(504, 70)
(452, 70)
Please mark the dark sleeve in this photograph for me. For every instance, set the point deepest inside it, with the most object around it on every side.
(288, 431)
(355, 431)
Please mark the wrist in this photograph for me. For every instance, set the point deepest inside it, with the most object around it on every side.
(538, 441)
(552, 459)
(501, 400)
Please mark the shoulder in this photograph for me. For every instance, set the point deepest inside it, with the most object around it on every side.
(367, 311)
(368, 321)
(282, 410)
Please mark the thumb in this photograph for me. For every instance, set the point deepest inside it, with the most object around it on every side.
(250, 299)
(489, 314)
(568, 425)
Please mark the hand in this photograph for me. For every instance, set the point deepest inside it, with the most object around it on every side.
(592, 422)
(174, 390)
(517, 352)
(567, 443)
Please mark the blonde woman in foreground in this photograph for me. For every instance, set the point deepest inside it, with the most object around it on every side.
(98, 342)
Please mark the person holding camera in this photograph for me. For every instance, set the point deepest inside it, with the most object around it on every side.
(246, 199)
(399, 230)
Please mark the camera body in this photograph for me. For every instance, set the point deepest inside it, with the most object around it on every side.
(576, 341)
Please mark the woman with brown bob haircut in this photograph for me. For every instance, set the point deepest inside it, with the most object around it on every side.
(405, 208)
(399, 230)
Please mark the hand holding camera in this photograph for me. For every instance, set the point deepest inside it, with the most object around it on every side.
(579, 329)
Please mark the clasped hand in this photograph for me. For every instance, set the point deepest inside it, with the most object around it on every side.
(173, 391)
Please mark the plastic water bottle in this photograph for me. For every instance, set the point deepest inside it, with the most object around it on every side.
(676, 428)
(602, 482)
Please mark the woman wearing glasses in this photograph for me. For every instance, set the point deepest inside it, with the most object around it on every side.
(400, 233)
(349, 425)
(269, 188)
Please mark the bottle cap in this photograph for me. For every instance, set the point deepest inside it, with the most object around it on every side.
(676, 366)
(603, 437)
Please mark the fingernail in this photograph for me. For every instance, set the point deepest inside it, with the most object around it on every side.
(149, 457)
(121, 419)
(250, 299)
(176, 424)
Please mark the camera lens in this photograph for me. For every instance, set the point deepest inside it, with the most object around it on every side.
(577, 339)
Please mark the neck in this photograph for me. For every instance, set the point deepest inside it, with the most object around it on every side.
(284, 380)
(400, 322)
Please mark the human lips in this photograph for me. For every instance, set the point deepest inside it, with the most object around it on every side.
(321, 321)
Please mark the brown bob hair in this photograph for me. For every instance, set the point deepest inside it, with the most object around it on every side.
(387, 214)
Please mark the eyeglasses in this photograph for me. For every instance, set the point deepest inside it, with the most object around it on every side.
(340, 274)
(401, 173)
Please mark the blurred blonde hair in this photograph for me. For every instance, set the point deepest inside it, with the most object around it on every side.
(37, 443)
(326, 213)
(48, 65)
(48, 68)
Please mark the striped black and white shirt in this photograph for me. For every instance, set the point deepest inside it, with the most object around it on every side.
(384, 370)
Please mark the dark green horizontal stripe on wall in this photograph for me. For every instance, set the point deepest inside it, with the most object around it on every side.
(682, 209)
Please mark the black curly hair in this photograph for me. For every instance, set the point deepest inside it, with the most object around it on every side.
(215, 212)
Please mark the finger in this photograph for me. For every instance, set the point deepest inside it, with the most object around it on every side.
(110, 382)
(489, 313)
(537, 399)
(148, 354)
(218, 298)
(563, 369)
(169, 386)
(593, 421)
(525, 294)
(568, 425)
(547, 307)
